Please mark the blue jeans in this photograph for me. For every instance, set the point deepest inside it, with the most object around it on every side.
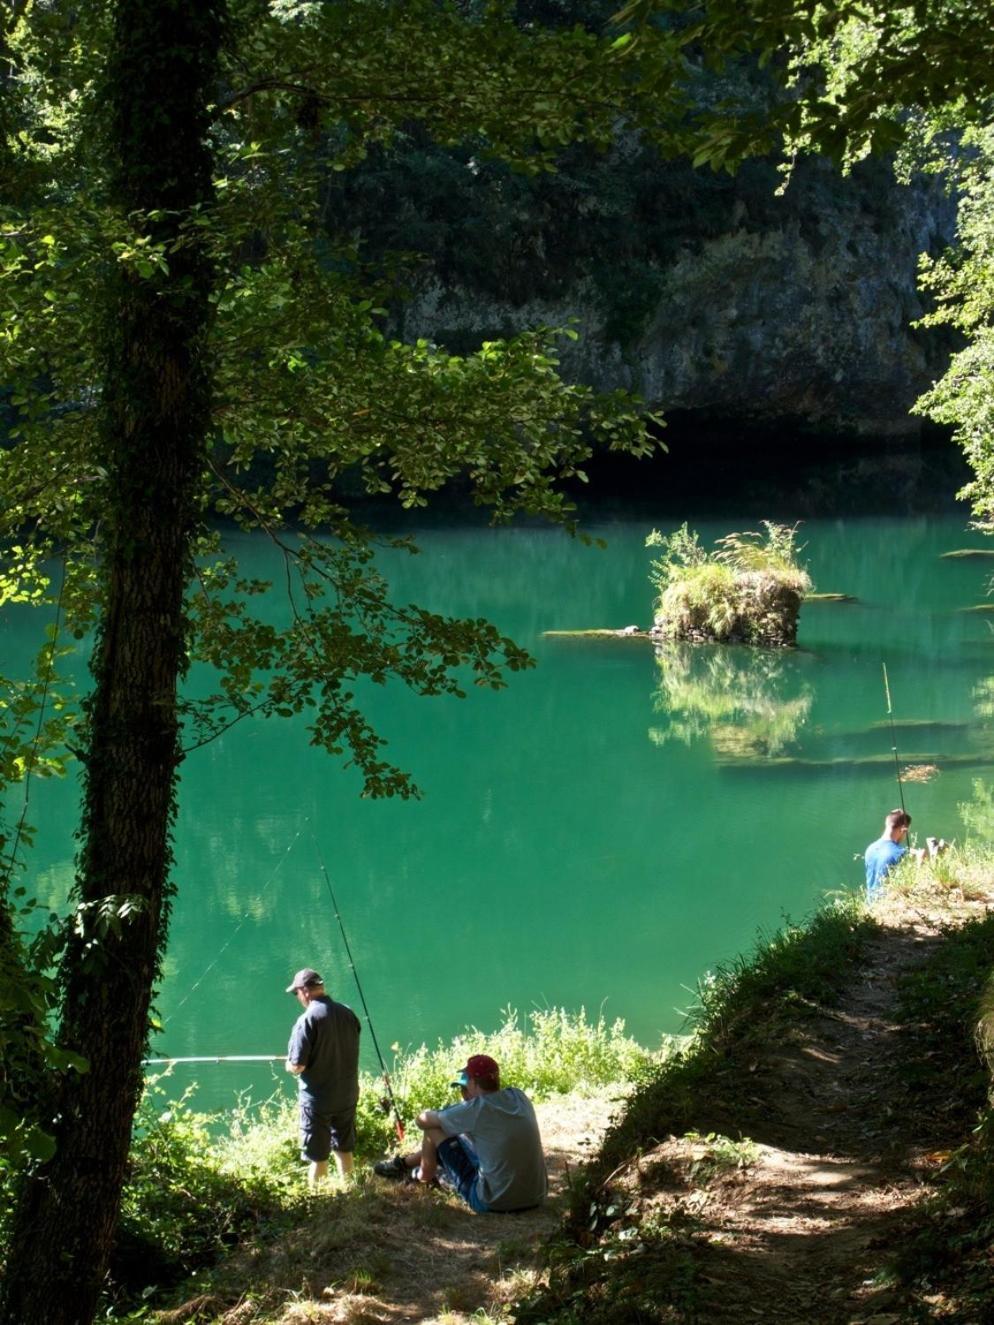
(461, 1166)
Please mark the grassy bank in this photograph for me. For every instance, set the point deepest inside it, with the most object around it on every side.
(201, 1184)
(619, 1261)
(649, 1233)
(217, 1219)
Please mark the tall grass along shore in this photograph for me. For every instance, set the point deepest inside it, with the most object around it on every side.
(201, 1183)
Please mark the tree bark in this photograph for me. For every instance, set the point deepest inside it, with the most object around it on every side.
(161, 72)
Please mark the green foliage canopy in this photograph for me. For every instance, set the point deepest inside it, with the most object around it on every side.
(307, 387)
(309, 395)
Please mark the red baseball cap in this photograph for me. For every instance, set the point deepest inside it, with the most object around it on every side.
(480, 1066)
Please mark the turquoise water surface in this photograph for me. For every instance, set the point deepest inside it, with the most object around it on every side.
(596, 835)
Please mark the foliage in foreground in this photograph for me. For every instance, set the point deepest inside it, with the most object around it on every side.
(947, 1009)
(199, 1183)
(748, 590)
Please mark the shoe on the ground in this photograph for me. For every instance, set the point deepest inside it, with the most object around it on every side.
(414, 1175)
(392, 1168)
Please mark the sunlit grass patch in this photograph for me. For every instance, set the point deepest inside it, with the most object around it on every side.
(748, 589)
(715, 1154)
(199, 1184)
(958, 874)
(553, 1052)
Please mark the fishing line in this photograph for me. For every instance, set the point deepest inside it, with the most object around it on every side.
(197, 983)
(390, 1103)
(893, 737)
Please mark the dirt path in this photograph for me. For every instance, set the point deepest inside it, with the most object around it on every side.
(790, 1229)
(472, 1263)
(806, 1220)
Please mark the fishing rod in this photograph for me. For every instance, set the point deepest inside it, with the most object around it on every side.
(893, 737)
(216, 1058)
(232, 936)
(390, 1102)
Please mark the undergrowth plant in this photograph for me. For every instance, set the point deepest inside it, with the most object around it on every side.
(200, 1182)
(554, 1051)
(747, 590)
(720, 1154)
(193, 1192)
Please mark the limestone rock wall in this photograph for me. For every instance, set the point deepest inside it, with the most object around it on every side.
(702, 292)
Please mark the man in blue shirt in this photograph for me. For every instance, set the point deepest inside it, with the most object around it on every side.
(882, 855)
(324, 1055)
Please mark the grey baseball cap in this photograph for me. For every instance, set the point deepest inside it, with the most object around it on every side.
(304, 980)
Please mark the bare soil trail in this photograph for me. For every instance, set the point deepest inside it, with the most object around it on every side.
(794, 1228)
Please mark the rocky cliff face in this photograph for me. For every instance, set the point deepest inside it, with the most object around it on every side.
(701, 292)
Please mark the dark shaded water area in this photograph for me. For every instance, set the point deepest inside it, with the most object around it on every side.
(598, 834)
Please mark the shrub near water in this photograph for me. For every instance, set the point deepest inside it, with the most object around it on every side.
(747, 591)
(191, 1194)
(557, 1051)
(199, 1183)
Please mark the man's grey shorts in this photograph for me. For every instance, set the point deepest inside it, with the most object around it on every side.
(323, 1130)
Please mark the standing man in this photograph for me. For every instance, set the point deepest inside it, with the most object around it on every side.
(882, 855)
(324, 1055)
(488, 1148)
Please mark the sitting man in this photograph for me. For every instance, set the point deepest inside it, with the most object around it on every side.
(488, 1148)
(882, 855)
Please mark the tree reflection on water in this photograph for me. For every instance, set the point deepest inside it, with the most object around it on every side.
(738, 698)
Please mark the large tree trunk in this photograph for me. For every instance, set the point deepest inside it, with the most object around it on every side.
(155, 403)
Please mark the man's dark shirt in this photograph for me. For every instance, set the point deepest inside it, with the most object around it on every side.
(325, 1041)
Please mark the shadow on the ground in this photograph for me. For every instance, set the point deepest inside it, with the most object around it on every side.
(850, 1108)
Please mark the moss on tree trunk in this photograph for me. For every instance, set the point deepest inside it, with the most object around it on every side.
(155, 398)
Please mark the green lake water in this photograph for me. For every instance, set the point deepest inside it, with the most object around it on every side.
(599, 833)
